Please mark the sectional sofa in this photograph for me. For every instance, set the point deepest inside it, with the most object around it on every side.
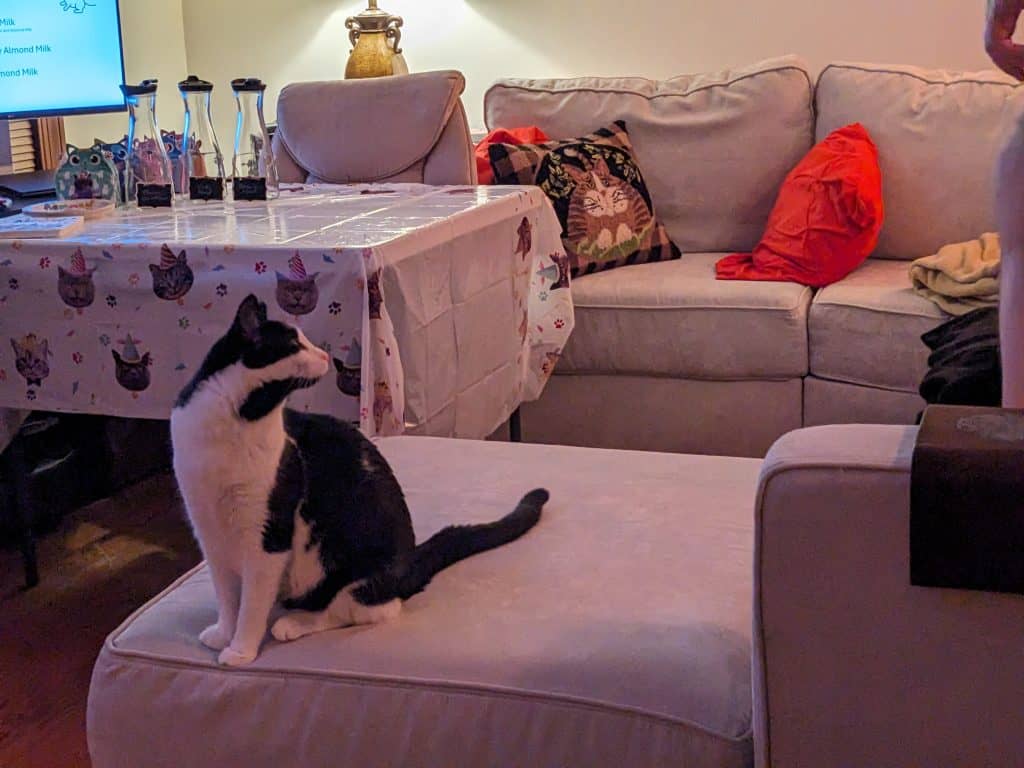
(664, 357)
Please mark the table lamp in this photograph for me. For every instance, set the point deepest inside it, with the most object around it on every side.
(375, 37)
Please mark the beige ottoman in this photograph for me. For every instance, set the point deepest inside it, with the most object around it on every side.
(616, 633)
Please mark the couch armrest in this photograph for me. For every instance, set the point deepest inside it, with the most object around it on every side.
(852, 665)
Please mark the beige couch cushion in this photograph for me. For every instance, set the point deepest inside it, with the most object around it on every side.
(866, 329)
(713, 148)
(675, 319)
(938, 134)
(615, 633)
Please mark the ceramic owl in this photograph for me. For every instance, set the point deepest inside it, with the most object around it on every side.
(87, 174)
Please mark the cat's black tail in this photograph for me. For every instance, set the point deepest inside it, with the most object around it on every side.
(406, 577)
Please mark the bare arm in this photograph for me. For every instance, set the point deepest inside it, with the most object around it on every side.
(1009, 208)
(999, 29)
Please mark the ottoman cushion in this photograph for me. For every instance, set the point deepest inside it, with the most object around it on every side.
(617, 632)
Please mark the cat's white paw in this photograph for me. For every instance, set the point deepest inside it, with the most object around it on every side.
(291, 628)
(229, 657)
(376, 614)
(214, 638)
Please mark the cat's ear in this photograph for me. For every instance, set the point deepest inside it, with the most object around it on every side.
(146, 360)
(338, 365)
(574, 173)
(14, 346)
(312, 278)
(281, 278)
(182, 258)
(117, 357)
(251, 315)
(62, 273)
(70, 149)
(601, 166)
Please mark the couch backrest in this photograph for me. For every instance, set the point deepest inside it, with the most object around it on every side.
(713, 148)
(938, 135)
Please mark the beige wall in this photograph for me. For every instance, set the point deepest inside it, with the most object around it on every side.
(289, 40)
(154, 46)
(284, 41)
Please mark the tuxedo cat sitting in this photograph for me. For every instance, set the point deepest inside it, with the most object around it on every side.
(298, 507)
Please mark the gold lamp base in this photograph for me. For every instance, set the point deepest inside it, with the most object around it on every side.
(375, 37)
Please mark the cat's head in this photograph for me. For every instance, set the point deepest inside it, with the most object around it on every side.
(172, 143)
(30, 354)
(118, 151)
(85, 161)
(259, 362)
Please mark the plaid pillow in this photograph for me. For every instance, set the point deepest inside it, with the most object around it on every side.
(598, 193)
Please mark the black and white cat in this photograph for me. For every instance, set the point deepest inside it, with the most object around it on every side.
(298, 507)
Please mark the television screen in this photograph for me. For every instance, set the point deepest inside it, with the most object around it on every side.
(60, 57)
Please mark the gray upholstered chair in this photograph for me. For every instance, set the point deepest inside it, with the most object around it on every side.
(411, 128)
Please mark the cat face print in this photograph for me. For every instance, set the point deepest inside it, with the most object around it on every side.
(297, 297)
(75, 285)
(601, 194)
(376, 298)
(172, 277)
(350, 371)
(606, 214)
(133, 375)
(31, 353)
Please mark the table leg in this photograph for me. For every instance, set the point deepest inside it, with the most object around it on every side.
(515, 427)
(23, 516)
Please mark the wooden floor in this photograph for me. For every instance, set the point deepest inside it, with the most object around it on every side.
(104, 561)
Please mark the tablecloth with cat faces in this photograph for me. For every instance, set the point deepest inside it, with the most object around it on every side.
(442, 308)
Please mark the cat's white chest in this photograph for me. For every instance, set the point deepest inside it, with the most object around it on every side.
(226, 478)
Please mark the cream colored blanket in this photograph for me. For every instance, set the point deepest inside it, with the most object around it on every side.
(961, 277)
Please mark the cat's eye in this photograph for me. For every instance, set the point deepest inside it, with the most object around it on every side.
(75, 160)
(94, 159)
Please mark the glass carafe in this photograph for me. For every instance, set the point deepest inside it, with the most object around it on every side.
(253, 170)
(147, 168)
(202, 166)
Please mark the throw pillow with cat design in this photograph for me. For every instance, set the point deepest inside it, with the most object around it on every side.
(599, 194)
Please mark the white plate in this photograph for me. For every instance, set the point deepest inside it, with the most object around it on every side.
(90, 209)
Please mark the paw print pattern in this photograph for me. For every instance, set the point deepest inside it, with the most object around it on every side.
(78, 358)
(105, 340)
(559, 323)
(260, 267)
(31, 394)
(13, 284)
(111, 301)
(44, 263)
(184, 323)
(335, 308)
(222, 290)
(133, 279)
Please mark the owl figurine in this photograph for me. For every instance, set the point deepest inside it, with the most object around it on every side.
(87, 174)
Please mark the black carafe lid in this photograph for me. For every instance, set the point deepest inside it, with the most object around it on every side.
(193, 84)
(248, 84)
